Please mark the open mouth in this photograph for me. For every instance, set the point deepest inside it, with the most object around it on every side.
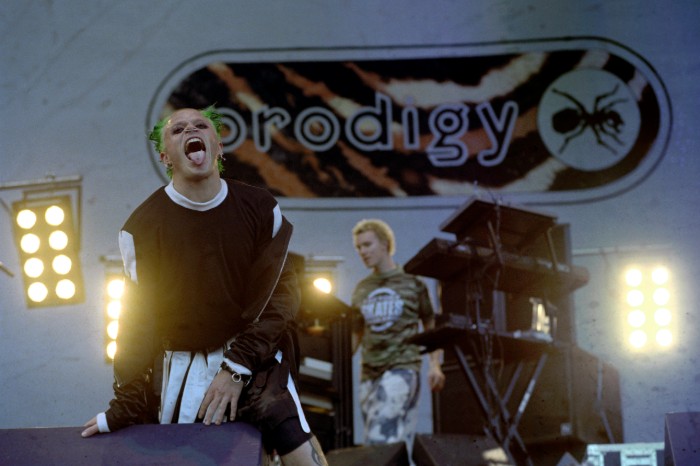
(195, 150)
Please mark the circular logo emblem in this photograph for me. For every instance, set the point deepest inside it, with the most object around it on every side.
(588, 119)
(382, 308)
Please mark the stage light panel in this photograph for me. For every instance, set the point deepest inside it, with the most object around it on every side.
(648, 302)
(114, 292)
(48, 247)
(323, 284)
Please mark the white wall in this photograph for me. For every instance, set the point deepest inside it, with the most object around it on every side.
(75, 83)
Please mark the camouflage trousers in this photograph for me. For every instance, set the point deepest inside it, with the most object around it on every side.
(389, 407)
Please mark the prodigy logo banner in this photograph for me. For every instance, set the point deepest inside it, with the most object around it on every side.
(551, 121)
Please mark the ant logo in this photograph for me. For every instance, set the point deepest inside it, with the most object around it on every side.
(602, 121)
(588, 119)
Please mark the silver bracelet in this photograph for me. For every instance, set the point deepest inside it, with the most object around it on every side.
(236, 377)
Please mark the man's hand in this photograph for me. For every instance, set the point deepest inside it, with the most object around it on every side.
(221, 393)
(436, 379)
(91, 428)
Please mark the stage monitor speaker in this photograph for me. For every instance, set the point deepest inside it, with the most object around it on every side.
(457, 450)
(682, 439)
(231, 443)
(577, 397)
(394, 454)
(576, 401)
(455, 409)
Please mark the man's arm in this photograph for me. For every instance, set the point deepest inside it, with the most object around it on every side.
(259, 342)
(263, 337)
(266, 334)
(436, 378)
(129, 406)
(133, 362)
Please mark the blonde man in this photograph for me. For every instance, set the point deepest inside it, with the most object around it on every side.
(389, 304)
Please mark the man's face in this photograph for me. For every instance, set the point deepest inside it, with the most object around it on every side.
(372, 251)
(191, 145)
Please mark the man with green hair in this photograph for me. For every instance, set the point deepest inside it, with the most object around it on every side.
(389, 304)
(210, 301)
(156, 136)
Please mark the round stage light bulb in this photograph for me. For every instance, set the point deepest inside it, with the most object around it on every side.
(635, 298)
(664, 337)
(660, 275)
(26, 219)
(113, 329)
(37, 292)
(633, 277)
(661, 296)
(115, 288)
(62, 264)
(111, 349)
(323, 284)
(114, 309)
(54, 215)
(30, 243)
(65, 289)
(34, 267)
(638, 338)
(58, 240)
(636, 318)
(662, 317)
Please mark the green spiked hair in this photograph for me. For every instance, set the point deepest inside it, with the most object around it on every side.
(156, 134)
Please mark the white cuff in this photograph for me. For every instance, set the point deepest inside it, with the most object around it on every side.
(102, 423)
(238, 367)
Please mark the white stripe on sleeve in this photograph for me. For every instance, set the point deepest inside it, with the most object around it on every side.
(128, 250)
(277, 212)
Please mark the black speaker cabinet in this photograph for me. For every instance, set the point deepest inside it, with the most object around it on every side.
(576, 402)
(394, 454)
(456, 450)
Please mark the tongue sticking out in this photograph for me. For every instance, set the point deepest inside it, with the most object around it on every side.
(196, 157)
(194, 149)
